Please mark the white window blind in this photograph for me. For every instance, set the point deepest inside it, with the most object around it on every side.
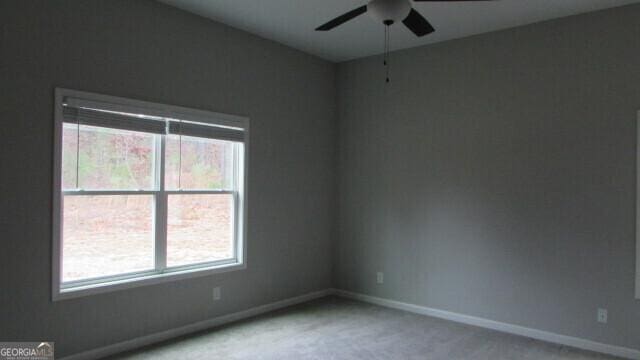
(92, 113)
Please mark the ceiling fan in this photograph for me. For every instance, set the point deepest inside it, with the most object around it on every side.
(389, 12)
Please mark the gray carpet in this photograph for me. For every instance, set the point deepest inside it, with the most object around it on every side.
(335, 328)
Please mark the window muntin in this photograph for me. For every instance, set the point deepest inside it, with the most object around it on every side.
(163, 216)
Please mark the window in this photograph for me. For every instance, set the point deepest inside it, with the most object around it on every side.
(144, 193)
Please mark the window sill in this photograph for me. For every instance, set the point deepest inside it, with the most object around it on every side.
(143, 280)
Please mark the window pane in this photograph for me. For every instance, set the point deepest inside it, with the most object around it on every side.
(107, 235)
(109, 159)
(200, 228)
(202, 164)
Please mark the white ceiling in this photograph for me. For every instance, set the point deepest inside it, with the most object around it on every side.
(292, 22)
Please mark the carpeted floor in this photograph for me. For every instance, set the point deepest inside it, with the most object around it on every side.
(335, 328)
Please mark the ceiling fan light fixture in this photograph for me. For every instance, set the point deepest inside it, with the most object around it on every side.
(389, 11)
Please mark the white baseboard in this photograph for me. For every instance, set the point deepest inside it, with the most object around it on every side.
(495, 325)
(465, 319)
(192, 328)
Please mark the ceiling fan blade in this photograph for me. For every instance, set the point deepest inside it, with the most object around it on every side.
(342, 18)
(417, 24)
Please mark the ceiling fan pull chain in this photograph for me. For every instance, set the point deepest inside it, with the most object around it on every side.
(387, 41)
(388, 46)
(384, 52)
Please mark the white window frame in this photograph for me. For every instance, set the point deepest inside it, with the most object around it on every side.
(160, 273)
(638, 207)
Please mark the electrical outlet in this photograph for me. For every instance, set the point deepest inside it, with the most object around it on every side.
(217, 293)
(380, 277)
(602, 316)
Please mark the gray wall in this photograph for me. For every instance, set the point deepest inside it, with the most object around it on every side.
(150, 51)
(495, 175)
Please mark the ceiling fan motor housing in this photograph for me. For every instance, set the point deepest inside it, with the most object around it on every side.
(389, 11)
